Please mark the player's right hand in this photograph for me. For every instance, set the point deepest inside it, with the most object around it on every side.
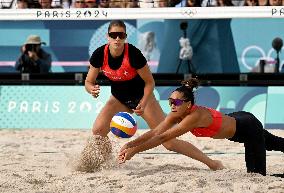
(95, 91)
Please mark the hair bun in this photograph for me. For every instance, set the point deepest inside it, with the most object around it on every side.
(191, 83)
(185, 83)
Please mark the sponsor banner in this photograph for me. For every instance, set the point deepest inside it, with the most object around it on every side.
(143, 13)
(71, 107)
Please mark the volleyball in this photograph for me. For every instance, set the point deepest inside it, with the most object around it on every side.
(123, 125)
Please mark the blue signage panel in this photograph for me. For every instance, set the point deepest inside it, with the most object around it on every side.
(71, 107)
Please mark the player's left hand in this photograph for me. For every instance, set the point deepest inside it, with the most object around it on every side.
(139, 109)
(217, 165)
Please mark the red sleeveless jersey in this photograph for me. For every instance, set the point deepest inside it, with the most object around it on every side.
(124, 73)
(212, 129)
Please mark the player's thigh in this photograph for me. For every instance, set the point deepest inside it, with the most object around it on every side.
(153, 113)
(111, 107)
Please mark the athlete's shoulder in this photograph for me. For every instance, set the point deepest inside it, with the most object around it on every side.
(96, 59)
(101, 48)
(99, 52)
(202, 107)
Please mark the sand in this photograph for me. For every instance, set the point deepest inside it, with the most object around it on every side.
(45, 161)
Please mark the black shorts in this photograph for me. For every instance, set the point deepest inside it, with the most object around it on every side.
(131, 104)
(247, 126)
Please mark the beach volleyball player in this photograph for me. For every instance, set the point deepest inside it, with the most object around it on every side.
(132, 86)
(185, 116)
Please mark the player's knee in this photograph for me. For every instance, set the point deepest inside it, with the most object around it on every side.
(100, 131)
(96, 130)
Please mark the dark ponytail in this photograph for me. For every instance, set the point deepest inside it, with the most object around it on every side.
(187, 89)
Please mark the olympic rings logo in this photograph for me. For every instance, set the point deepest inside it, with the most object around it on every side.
(261, 55)
(189, 12)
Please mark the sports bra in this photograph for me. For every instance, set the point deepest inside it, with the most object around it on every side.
(213, 128)
(125, 71)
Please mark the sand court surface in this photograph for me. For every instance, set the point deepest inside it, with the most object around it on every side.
(36, 160)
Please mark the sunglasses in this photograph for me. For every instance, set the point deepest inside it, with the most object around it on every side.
(176, 102)
(114, 35)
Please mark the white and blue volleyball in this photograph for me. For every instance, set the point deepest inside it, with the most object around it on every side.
(123, 125)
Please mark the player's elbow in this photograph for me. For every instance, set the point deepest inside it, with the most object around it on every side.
(150, 85)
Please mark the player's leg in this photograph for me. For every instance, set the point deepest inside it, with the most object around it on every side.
(102, 122)
(272, 142)
(255, 153)
(98, 147)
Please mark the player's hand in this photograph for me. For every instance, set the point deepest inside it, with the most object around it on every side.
(126, 154)
(95, 91)
(217, 165)
(125, 146)
(139, 109)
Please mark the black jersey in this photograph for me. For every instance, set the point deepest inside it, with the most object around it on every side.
(125, 91)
